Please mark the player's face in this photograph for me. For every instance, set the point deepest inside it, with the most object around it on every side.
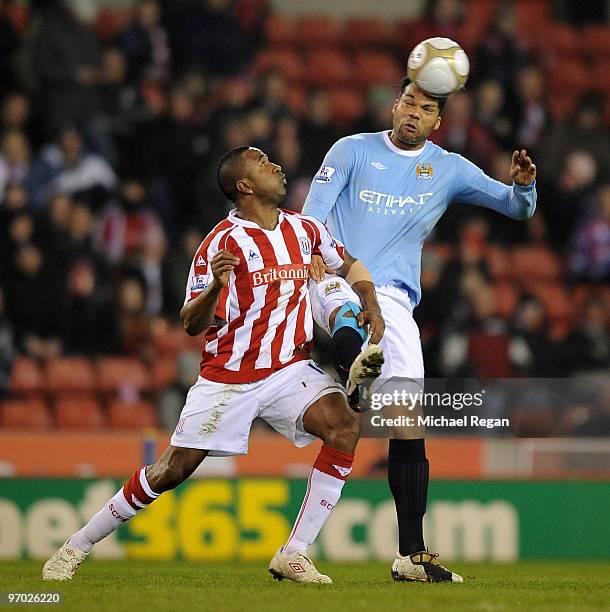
(267, 179)
(416, 116)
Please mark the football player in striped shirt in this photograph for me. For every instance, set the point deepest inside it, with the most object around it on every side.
(248, 292)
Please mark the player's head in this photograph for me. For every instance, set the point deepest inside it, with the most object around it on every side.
(416, 114)
(246, 172)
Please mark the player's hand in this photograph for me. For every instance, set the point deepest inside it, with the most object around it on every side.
(317, 268)
(522, 169)
(372, 317)
(223, 264)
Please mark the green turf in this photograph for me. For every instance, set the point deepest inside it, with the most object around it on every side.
(182, 586)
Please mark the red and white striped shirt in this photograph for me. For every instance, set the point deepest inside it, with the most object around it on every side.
(265, 313)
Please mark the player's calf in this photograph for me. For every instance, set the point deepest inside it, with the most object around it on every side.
(141, 490)
(355, 365)
(329, 419)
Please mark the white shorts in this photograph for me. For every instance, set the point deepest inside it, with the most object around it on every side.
(401, 343)
(217, 416)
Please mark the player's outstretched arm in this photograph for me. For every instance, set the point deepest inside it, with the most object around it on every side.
(198, 314)
(518, 201)
(356, 274)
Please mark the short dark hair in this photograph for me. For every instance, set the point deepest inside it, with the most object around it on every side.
(441, 100)
(227, 172)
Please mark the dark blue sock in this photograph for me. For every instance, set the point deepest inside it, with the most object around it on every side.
(408, 476)
(345, 345)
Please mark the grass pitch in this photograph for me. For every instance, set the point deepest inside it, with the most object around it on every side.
(186, 586)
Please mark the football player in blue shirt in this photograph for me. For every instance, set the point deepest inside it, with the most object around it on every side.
(381, 194)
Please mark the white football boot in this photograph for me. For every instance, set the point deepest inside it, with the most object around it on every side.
(64, 563)
(296, 567)
(365, 369)
(422, 567)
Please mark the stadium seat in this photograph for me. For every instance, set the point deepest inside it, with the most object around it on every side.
(488, 355)
(314, 31)
(164, 371)
(69, 374)
(596, 40)
(127, 415)
(366, 32)
(118, 373)
(286, 61)
(278, 30)
(535, 263)
(79, 412)
(376, 68)
(554, 39)
(530, 12)
(347, 104)
(571, 74)
(25, 414)
(327, 68)
(26, 377)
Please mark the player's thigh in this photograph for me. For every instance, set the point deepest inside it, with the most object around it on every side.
(412, 429)
(289, 393)
(401, 342)
(328, 295)
(402, 374)
(217, 417)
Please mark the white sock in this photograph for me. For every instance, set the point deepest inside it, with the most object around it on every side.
(116, 512)
(323, 493)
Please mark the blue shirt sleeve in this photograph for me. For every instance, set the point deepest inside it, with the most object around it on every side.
(473, 186)
(331, 179)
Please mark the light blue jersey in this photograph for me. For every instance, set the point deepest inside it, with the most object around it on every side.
(382, 202)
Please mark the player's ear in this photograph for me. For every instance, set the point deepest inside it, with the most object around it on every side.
(395, 105)
(244, 186)
(437, 124)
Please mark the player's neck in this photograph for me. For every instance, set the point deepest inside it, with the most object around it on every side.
(265, 217)
(403, 145)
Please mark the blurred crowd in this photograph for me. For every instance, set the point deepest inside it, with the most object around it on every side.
(111, 125)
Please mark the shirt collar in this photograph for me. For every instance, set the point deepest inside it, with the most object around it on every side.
(245, 223)
(395, 149)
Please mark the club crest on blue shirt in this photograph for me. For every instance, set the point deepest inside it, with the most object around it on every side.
(305, 245)
(333, 287)
(424, 171)
(324, 174)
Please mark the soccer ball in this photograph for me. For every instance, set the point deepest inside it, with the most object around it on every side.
(439, 66)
